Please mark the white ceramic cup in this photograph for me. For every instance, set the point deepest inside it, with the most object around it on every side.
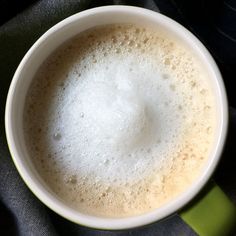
(37, 54)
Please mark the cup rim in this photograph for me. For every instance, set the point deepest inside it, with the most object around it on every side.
(133, 221)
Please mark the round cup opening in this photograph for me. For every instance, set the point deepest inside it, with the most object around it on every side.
(44, 47)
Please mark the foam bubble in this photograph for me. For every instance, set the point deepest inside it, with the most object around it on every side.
(56, 136)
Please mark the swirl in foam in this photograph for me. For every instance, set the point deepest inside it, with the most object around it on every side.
(115, 120)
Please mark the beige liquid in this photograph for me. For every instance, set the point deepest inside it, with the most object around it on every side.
(120, 120)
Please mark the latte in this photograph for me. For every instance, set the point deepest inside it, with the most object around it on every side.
(120, 120)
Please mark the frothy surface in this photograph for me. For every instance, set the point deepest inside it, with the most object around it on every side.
(120, 120)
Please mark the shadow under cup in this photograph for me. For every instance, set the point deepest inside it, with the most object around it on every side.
(38, 53)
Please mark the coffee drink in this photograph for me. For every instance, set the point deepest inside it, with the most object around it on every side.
(120, 120)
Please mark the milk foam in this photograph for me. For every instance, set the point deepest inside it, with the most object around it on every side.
(120, 120)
